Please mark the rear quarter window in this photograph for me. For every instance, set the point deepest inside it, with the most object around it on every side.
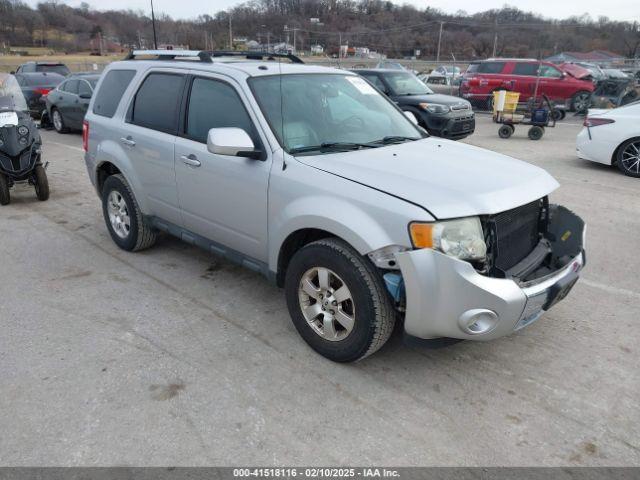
(490, 67)
(110, 93)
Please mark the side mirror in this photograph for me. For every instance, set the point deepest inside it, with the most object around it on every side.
(411, 117)
(12, 72)
(234, 142)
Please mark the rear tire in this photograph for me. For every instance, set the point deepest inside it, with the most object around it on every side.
(5, 196)
(628, 158)
(370, 313)
(505, 131)
(536, 132)
(58, 121)
(123, 217)
(41, 183)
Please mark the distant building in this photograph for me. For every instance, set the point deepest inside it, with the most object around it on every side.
(594, 56)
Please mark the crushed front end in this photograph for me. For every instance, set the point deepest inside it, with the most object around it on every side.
(534, 255)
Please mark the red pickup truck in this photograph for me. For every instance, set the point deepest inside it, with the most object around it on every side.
(528, 77)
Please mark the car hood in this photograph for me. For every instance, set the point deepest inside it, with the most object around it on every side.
(436, 98)
(447, 178)
(576, 71)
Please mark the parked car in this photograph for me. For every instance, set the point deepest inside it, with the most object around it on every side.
(528, 77)
(68, 103)
(441, 115)
(447, 71)
(616, 74)
(310, 176)
(583, 70)
(35, 88)
(440, 83)
(612, 137)
(49, 67)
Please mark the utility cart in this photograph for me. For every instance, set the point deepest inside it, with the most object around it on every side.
(509, 113)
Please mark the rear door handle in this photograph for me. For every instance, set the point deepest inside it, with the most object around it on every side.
(128, 142)
(190, 160)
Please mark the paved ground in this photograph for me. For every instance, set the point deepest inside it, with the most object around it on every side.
(173, 357)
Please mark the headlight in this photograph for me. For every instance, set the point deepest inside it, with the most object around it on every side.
(434, 108)
(462, 238)
(22, 130)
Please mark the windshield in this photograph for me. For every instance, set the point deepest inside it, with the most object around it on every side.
(405, 83)
(320, 113)
(11, 97)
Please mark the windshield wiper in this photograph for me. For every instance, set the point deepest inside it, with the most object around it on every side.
(331, 147)
(394, 139)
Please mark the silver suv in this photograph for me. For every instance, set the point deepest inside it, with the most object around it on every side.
(310, 176)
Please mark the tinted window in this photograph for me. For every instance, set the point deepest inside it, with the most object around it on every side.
(472, 68)
(157, 103)
(526, 69)
(214, 104)
(59, 69)
(84, 88)
(490, 67)
(70, 87)
(40, 79)
(111, 90)
(375, 80)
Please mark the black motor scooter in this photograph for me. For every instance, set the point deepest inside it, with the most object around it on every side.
(20, 144)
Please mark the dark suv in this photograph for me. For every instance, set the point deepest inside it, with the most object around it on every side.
(441, 115)
(528, 77)
(40, 67)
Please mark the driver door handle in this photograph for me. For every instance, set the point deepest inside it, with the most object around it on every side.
(190, 160)
(128, 141)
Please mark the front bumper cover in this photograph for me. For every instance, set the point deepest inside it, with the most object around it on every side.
(442, 292)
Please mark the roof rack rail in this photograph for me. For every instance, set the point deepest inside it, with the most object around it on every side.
(170, 54)
(254, 55)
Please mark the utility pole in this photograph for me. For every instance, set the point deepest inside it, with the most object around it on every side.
(439, 42)
(230, 34)
(495, 39)
(153, 22)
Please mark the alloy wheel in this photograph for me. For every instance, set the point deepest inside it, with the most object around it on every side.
(57, 120)
(119, 214)
(631, 158)
(326, 303)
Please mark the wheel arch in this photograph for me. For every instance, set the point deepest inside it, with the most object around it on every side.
(614, 155)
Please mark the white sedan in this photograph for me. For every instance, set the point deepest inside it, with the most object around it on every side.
(612, 137)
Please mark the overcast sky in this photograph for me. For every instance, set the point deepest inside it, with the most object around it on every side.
(615, 9)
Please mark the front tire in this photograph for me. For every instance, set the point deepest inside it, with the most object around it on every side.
(505, 131)
(628, 158)
(580, 102)
(536, 132)
(41, 183)
(123, 217)
(5, 196)
(337, 301)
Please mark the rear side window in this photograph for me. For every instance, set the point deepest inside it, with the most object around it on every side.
(84, 88)
(490, 67)
(375, 79)
(215, 104)
(157, 103)
(70, 87)
(111, 91)
(526, 69)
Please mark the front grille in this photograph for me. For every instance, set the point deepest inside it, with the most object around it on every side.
(463, 124)
(516, 233)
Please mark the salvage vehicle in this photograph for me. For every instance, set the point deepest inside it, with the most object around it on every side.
(441, 115)
(36, 87)
(612, 137)
(68, 103)
(312, 177)
(20, 143)
(528, 77)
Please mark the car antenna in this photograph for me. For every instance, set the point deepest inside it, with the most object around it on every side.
(284, 159)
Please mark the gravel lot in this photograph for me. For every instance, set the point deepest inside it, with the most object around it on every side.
(173, 357)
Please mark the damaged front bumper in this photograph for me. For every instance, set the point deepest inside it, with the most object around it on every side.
(447, 297)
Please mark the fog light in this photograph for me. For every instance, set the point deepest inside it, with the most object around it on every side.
(478, 321)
